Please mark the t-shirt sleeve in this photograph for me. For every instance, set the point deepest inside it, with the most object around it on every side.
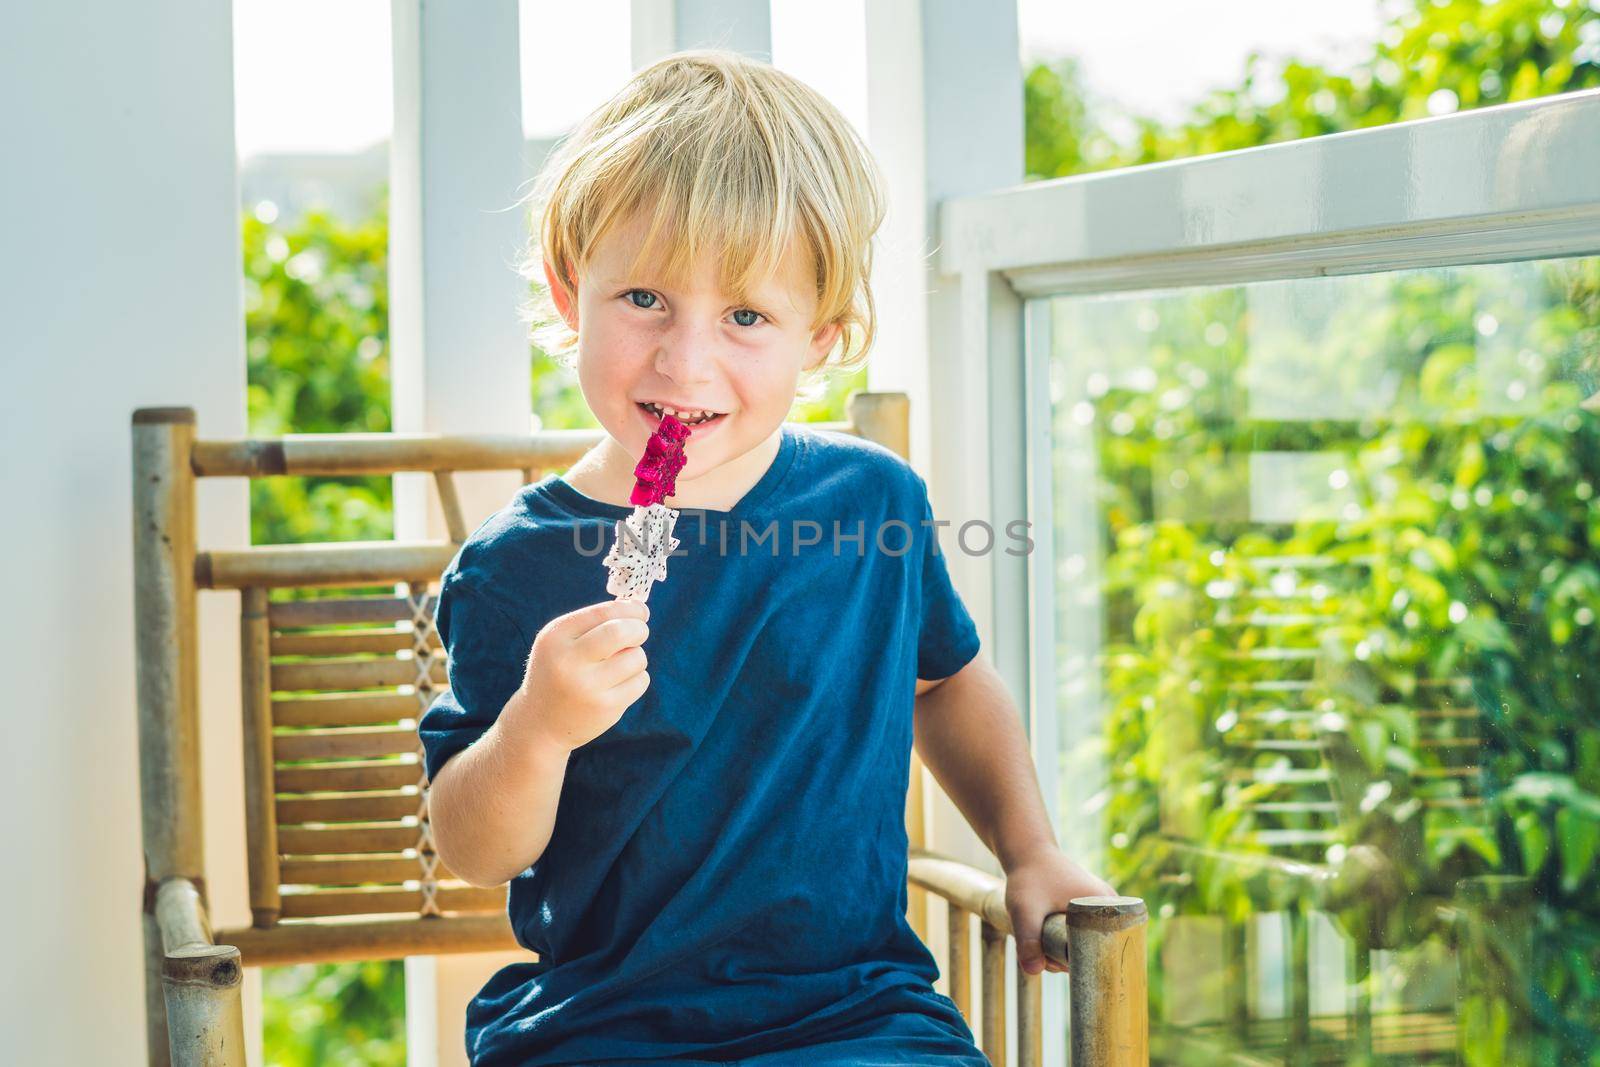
(948, 638)
(488, 655)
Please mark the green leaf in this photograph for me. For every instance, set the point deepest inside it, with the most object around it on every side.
(1535, 841)
(1580, 840)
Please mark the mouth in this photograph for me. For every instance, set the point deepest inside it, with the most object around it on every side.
(701, 421)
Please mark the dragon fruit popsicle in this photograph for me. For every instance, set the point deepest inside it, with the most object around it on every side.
(638, 556)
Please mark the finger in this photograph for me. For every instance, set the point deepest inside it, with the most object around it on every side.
(620, 667)
(575, 624)
(1030, 953)
(629, 689)
(611, 637)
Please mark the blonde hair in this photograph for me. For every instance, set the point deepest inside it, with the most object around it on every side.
(729, 157)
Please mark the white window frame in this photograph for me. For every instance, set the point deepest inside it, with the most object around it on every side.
(1513, 182)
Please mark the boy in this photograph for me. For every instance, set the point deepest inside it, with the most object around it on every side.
(709, 856)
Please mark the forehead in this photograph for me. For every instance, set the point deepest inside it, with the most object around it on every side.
(621, 256)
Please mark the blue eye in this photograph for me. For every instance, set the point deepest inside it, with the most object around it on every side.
(650, 301)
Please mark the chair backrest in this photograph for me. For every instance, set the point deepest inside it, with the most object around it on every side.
(341, 858)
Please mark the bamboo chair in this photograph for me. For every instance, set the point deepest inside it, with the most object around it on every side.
(341, 863)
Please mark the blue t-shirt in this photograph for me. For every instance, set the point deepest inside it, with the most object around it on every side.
(726, 875)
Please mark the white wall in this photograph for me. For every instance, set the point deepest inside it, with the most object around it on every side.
(119, 288)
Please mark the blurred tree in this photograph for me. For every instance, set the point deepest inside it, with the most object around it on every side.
(335, 1015)
(317, 351)
(1432, 58)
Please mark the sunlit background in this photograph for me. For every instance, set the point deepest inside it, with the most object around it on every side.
(1111, 85)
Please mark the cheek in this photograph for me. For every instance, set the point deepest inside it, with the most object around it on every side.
(765, 386)
(613, 349)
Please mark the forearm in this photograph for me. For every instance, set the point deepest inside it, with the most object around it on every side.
(493, 805)
(968, 731)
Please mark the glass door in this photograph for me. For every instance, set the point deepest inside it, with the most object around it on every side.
(1324, 599)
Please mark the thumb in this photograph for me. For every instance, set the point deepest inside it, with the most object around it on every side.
(1030, 953)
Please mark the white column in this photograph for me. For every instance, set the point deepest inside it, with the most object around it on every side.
(972, 127)
(461, 358)
(120, 288)
(943, 92)
(660, 27)
(460, 355)
(943, 120)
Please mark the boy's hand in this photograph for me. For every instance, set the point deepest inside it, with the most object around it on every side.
(586, 667)
(1042, 884)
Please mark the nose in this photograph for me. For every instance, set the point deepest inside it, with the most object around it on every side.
(686, 356)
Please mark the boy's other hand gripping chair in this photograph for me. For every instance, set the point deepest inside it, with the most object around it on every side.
(341, 862)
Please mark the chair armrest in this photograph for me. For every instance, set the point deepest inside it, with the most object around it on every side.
(981, 893)
(1105, 936)
(201, 981)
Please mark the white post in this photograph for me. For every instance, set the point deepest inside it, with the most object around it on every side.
(660, 27)
(973, 140)
(944, 119)
(461, 359)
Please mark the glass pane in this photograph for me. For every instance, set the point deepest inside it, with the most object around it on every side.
(1326, 599)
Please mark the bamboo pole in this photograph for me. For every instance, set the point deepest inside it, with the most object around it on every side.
(959, 921)
(346, 777)
(348, 807)
(1030, 1017)
(977, 891)
(387, 939)
(347, 644)
(360, 709)
(884, 417)
(342, 611)
(383, 900)
(341, 870)
(200, 982)
(917, 837)
(994, 994)
(358, 742)
(1110, 1009)
(167, 679)
(261, 826)
(450, 504)
(344, 674)
(345, 840)
(386, 453)
(344, 563)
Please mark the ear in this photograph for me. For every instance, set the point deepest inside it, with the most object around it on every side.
(822, 343)
(565, 304)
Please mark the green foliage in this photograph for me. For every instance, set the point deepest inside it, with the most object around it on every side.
(1411, 653)
(1432, 58)
(335, 1015)
(317, 344)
